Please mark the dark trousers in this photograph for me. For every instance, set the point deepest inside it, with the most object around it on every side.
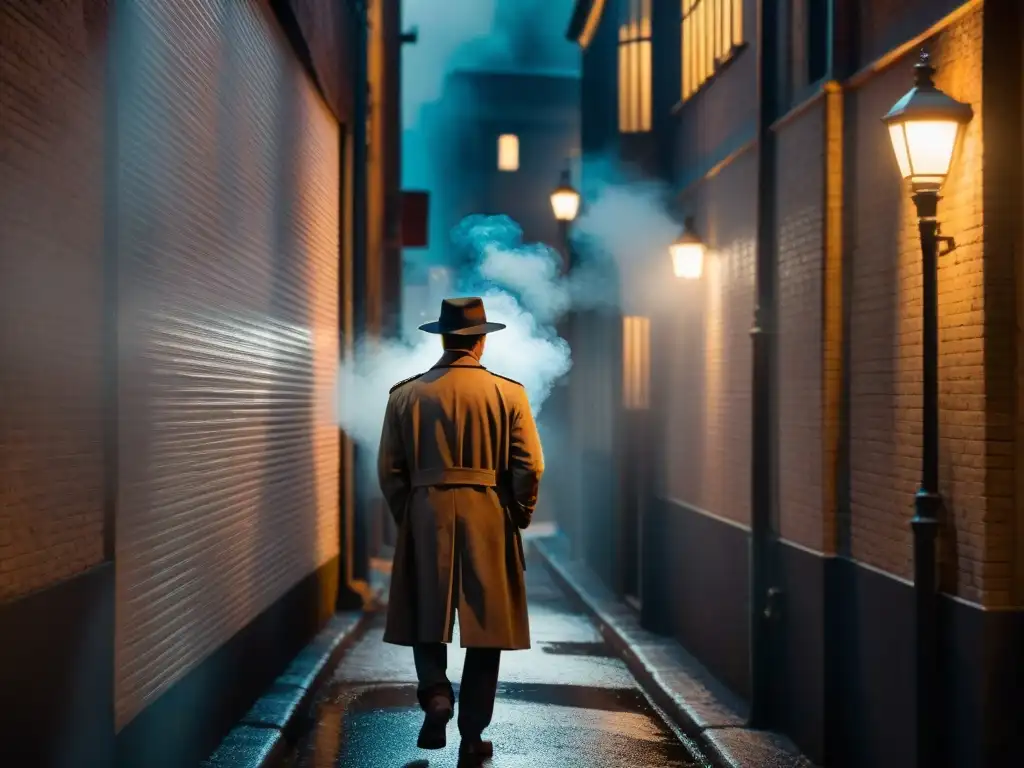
(477, 690)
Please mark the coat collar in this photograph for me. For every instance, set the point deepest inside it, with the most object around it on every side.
(457, 358)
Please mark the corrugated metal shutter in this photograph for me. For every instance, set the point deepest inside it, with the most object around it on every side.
(229, 317)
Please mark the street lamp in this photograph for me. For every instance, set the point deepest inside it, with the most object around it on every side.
(924, 126)
(565, 200)
(565, 203)
(688, 253)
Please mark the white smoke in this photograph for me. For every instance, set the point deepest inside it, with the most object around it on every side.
(621, 237)
(520, 286)
(629, 220)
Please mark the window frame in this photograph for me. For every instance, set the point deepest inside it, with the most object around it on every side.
(701, 22)
(634, 52)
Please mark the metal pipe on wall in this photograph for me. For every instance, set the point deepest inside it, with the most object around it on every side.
(762, 486)
(360, 305)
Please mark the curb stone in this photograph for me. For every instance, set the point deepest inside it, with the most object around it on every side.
(698, 704)
(262, 738)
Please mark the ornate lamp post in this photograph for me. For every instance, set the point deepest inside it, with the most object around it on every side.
(924, 126)
(565, 202)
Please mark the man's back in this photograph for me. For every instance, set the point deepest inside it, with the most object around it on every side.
(460, 465)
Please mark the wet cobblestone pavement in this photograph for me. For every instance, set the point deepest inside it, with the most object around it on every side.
(567, 702)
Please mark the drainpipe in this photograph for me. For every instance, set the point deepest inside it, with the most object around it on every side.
(359, 159)
(762, 595)
(360, 99)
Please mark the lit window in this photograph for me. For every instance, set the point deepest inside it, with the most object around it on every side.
(711, 32)
(636, 362)
(635, 67)
(508, 152)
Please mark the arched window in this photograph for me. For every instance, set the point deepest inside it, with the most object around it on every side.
(712, 30)
(635, 66)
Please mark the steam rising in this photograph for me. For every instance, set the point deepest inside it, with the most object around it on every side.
(520, 286)
(621, 240)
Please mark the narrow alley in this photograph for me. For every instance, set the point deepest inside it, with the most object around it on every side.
(567, 702)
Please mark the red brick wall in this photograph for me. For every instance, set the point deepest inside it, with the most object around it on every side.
(708, 443)
(886, 326)
(51, 240)
(800, 242)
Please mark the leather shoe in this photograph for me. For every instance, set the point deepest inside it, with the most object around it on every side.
(472, 752)
(437, 713)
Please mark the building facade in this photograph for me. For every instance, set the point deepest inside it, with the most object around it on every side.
(180, 260)
(771, 139)
(499, 141)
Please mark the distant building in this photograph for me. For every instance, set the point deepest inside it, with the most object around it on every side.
(499, 141)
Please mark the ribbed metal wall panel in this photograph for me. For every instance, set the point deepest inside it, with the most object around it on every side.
(228, 321)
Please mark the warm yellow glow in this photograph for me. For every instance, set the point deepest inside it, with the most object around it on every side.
(635, 105)
(636, 362)
(688, 260)
(565, 203)
(508, 152)
(593, 20)
(924, 148)
(899, 145)
(711, 29)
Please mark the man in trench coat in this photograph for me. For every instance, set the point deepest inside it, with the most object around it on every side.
(460, 463)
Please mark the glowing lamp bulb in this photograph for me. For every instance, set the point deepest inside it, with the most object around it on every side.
(923, 127)
(565, 201)
(688, 254)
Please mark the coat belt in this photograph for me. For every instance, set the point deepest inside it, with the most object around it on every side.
(422, 478)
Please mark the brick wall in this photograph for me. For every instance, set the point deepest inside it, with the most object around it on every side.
(708, 443)
(800, 243)
(881, 25)
(51, 246)
(885, 363)
(722, 116)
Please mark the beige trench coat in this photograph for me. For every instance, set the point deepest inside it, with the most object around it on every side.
(460, 464)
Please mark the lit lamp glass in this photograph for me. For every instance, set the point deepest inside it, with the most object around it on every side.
(565, 200)
(688, 254)
(924, 126)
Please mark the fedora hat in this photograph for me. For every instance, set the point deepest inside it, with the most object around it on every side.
(462, 317)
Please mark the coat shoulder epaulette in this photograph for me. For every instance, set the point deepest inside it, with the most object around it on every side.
(404, 381)
(506, 378)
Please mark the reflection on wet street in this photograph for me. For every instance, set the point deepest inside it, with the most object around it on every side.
(567, 702)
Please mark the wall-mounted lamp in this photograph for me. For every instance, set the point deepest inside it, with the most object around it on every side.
(688, 253)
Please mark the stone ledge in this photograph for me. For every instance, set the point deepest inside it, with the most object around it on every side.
(702, 707)
(261, 739)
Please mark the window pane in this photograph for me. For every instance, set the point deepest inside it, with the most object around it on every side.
(702, 39)
(508, 152)
(634, 85)
(727, 25)
(645, 85)
(623, 96)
